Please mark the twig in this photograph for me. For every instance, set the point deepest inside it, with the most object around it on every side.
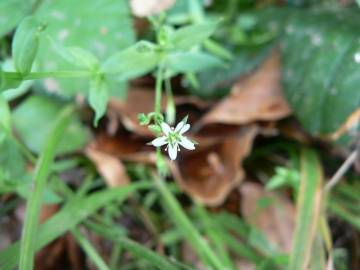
(342, 170)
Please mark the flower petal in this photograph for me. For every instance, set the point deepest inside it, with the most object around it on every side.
(179, 126)
(165, 128)
(172, 150)
(159, 141)
(186, 143)
(185, 128)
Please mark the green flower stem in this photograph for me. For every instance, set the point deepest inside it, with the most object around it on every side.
(51, 74)
(170, 108)
(43, 166)
(159, 79)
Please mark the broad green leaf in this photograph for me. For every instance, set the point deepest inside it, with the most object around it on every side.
(16, 87)
(308, 210)
(98, 97)
(7, 82)
(79, 25)
(76, 56)
(33, 119)
(191, 62)
(133, 62)
(75, 211)
(11, 13)
(12, 166)
(189, 36)
(25, 44)
(217, 81)
(321, 62)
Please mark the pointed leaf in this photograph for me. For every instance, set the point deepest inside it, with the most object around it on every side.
(25, 44)
(133, 62)
(98, 97)
(189, 36)
(181, 62)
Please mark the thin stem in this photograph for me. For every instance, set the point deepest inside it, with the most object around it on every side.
(342, 170)
(159, 79)
(170, 107)
(26, 152)
(50, 74)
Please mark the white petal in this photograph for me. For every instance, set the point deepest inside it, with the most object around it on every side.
(172, 150)
(159, 141)
(179, 126)
(185, 128)
(186, 143)
(165, 128)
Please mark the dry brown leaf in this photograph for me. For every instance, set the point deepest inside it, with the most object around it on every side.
(276, 219)
(138, 101)
(143, 8)
(209, 174)
(110, 167)
(141, 100)
(257, 97)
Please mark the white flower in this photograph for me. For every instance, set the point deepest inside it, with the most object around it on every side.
(173, 138)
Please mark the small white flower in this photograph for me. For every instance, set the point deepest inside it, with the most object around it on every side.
(173, 138)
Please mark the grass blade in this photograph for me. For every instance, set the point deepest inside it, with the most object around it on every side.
(215, 234)
(183, 223)
(308, 210)
(72, 214)
(29, 234)
(116, 235)
(89, 250)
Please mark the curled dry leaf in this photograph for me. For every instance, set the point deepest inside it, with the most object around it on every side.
(271, 214)
(257, 97)
(209, 174)
(143, 8)
(110, 167)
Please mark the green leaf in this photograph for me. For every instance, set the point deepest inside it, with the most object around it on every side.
(11, 13)
(15, 87)
(13, 171)
(75, 211)
(7, 82)
(76, 56)
(43, 166)
(98, 97)
(5, 116)
(133, 62)
(217, 81)
(181, 62)
(33, 119)
(183, 223)
(189, 36)
(308, 210)
(321, 60)
(78, 25)
(25, 44)
(89, 249)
